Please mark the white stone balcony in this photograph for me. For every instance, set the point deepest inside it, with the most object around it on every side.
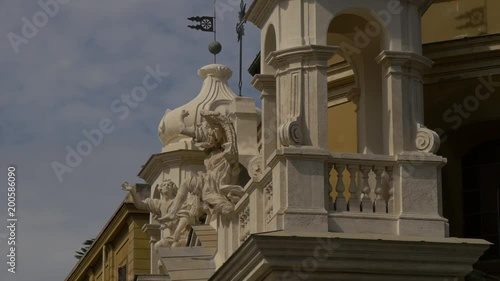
(372, 194)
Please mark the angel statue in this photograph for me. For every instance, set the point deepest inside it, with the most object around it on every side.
(217, 187)
(174, 230)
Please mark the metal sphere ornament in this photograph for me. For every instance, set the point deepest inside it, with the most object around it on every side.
(214, 47)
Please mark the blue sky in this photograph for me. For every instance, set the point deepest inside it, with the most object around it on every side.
(63, 80)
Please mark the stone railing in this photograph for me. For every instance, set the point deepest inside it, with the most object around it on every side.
(250, 216)
(361, 183)
(379, 194)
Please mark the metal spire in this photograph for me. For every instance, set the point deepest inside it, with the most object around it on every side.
(240, 30)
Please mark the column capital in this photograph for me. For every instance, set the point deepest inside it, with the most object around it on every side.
(263, 82)
(315, 54)
(395, 62)
(153, 231)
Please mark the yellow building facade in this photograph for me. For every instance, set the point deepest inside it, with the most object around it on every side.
(120, 252)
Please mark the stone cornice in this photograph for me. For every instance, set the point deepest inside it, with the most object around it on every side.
(304, 152)
(286, 56)
(393, 61)
(459, 59)
(340, 253)
(155, 164)
(112, 228)
(259, 11)
(465, 58)
(263, 82)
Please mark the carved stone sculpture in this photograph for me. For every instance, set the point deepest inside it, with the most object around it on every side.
(216, 188)
(427, 140)
(174, 230)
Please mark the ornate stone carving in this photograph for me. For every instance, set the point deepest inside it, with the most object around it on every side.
(290, 133)
(244, 228)
(255, 166)
(214, 95)
(175, 231)
(216, 189)
(268, 201)
(427, 140)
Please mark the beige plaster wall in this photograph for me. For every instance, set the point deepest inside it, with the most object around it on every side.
(342, 128)
(454, 19)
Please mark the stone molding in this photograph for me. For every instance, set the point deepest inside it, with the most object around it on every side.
(158, 162)
(315, 55)
(404, 63)
(263, 82)
(260, 10)
(340, 256)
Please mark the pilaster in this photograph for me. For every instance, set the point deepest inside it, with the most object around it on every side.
(298, 188)
(403, 103)
(154, 233)
(266, 84)
(301, 94)
(244, 114)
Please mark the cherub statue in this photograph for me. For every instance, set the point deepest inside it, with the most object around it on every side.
(217, 187)
(174, 230)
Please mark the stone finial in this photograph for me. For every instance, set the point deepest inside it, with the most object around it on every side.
(215, 95)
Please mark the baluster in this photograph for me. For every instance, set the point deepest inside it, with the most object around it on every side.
(354, 204)
(366, 201)
(379, 204)
(340, 202)
(328, 196)
(390, 201)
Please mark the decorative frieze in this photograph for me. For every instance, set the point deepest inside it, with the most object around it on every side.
(244, 224)
(268, 202)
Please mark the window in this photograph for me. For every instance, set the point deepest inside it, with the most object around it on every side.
(122, 273)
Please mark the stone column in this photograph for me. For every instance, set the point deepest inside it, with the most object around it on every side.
(266, 84)
(301, 94)
(244, 114)
(154, 233)
(404, 129)
(298, 165)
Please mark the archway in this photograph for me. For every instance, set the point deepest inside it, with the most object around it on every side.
(355, 83)
(269, 45)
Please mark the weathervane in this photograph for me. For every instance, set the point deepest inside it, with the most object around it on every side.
(208, 24)
(240, 30)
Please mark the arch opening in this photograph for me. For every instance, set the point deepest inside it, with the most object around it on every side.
(270, 45)
(355, 83)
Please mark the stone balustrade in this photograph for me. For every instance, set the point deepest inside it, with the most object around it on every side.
(361, 183)
(364, 193)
